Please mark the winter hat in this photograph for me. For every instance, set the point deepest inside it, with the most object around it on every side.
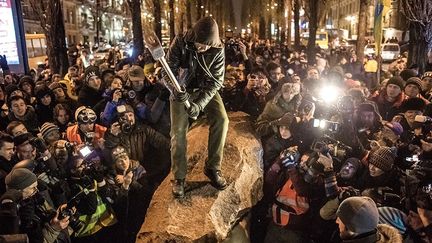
(55, 85)
(382, 158)
(407, 74)
(124, 109)
(85, 115)
(396, 80)
(136, 73)
(416, 104)
(22, 139)
(47, 128)
(118, 152)
(91, 71)
(427, 75)
(358, 214)
(9, 89)
(414, 80)
(25, 79)
(206, 32)
(396, 127)
(293, 87)
(367, 106)
(41, 91)
(393, 217)
(20, 178)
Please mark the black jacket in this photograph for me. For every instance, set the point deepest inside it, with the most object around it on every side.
(198, 70)
(89, 97)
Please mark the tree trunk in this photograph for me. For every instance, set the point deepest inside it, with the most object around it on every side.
(313, 26)
(171, 19)
(288, 7)
(297, 24)
(138, 40)
(361, 30)
(418, 47)
(262, 28)
(51, 19)
(98, 22)
(188, 14)
(199, 10)
(157, 15)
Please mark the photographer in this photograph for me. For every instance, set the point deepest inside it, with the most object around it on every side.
(253, 97)
(286, 102)
(142, 143)
(86, 131)
(23, 211)
(113, 97)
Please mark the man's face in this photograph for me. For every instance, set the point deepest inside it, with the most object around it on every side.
(109, 77)
(296, 79)
(347, 171)
(19, 107)
(427, 83)
(95, 82)
(313, 74)
(137, 85)
(284, 132)
(30, 191)
(275, 75)
(86, 127)
(46, 100)
(59, 93)
(7, 151)
(201, 47)
(26, 151)
(116, 84)
(375, 171)
(129, 117)
(259, 60)
(122, 163)
(393, 90)
(367, 118)
(52, 136)
(27, 88)
(343, 231)
(412, 90)
(411, 114)
(18, 130)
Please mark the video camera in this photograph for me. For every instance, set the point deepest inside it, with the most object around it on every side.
(329, 145)
(327, 126)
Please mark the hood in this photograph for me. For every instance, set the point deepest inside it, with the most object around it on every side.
(205, 31)
(388, 234)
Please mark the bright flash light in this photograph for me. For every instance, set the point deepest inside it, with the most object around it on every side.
(329, 94)
(322, 124)
(130, 51)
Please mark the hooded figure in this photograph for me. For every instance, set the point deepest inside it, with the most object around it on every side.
(197, 59)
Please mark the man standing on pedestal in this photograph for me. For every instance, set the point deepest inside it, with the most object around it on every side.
(197, 59)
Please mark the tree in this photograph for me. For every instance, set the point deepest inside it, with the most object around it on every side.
(419, 14)
(138, 41)
(313, 27)
(361, 29)
(171, 19)
(157, 18)
(188, 14)
(50, 15)
(297, 24)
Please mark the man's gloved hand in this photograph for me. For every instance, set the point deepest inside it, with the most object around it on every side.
(3, 63)
(181, 97)
(289, 157)
(287, 118)
(12, 195)
(326, 161)
(193, 111)
(164, 94)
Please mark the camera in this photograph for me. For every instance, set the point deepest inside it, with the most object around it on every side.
(326, 125)
(314, 168)
(128, 94)
(40, 146)
(125, 125)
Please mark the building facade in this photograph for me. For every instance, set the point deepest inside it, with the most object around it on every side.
(81, 18)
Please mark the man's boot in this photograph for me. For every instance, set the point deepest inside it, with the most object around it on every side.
(178, 188)
(216, 178)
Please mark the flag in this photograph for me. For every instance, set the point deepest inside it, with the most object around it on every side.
(381, 9)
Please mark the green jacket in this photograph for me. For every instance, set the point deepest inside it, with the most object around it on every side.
(274, 110)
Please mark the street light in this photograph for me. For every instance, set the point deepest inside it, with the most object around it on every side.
(350, 19)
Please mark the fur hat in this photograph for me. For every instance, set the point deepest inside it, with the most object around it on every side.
(20, 178)
(358, 214)
(382, 158)
(416, 104)
(396, 80)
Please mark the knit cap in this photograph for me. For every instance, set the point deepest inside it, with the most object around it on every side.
(413, 104)
(117, 153)
(382, 158)
(427, 75)
(20, 178)
(415, 81)
(393, 217)
(358, 214)
(396, 80)
(47, 128)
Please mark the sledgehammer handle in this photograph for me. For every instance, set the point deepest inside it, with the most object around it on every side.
(173, 79)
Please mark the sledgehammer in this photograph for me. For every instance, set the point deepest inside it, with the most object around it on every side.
(156, 50)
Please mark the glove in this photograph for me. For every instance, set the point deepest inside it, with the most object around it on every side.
(181, 97)
(286, 119)
(326, 161)
(290, 157)
(3, 63)
(193, 111)
(348, 192)
(98, 175)
(11, 194)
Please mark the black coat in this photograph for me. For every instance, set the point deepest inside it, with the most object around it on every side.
(89, 97)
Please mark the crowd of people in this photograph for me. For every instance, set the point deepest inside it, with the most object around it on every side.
(347, 154)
